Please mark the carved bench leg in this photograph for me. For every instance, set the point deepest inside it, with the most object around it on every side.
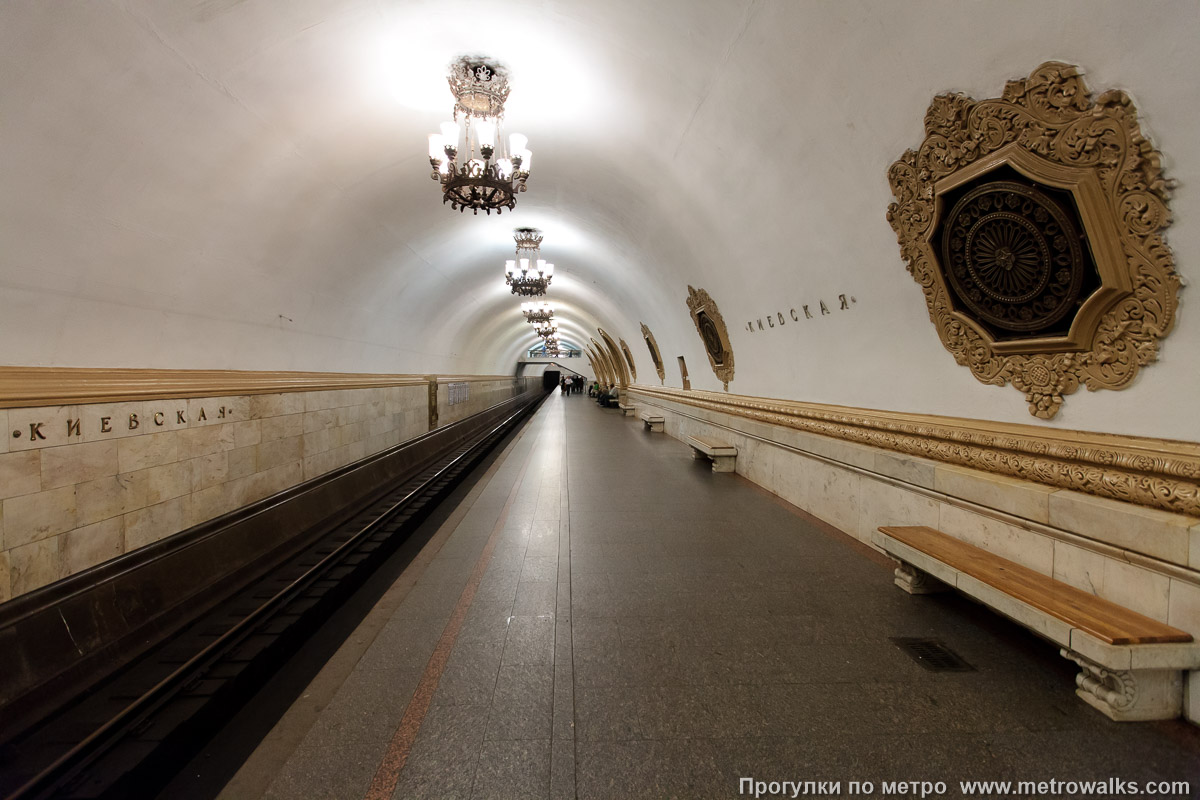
(655, 427)
(914, 581)
(698, 454)
(1129, 695)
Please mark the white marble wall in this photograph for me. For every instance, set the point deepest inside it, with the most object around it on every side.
(128, 474)
(1144, 559)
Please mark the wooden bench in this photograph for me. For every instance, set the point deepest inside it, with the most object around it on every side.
(724, 456)
(626, 409)
(1131, 664)
(654, 422)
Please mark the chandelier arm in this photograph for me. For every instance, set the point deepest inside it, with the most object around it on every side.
(480, 87)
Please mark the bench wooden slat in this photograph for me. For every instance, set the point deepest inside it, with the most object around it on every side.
(1105, 620)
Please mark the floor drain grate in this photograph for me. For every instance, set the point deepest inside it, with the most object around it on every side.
(932, 655)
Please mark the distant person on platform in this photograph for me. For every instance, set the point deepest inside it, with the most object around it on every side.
(610, 397)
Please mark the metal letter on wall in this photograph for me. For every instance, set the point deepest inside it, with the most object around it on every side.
(655, 356)
(1033, 222)
(711, 327)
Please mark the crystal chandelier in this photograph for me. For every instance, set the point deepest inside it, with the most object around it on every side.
(488, 176)
(528, 274)
(539, 312)
(546, 329)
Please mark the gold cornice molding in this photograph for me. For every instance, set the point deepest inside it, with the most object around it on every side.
(1160, 473)
(31, 387)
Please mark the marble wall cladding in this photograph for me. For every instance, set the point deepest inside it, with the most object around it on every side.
(481, 395)
(82, 484)
(1144, 559)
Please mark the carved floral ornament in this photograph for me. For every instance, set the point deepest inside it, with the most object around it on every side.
(655, 356)
(628, 359)
(614, 357)
(612, 377)
(1033, 223)
(711, 327)
(1158, 473)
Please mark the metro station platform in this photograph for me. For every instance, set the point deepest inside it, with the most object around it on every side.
(603, 617)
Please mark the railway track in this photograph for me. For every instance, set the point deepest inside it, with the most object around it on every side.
(128, 735)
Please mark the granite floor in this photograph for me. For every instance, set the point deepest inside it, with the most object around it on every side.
(603, 617)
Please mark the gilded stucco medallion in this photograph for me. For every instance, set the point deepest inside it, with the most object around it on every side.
(615, 358)
(628, 358)
(655, 356)
(1033, 222)
(711, 327)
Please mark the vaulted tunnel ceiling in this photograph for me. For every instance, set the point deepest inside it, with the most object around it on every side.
(228, 184)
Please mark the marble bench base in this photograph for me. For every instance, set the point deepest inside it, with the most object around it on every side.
(653, 422)
(1126, 683)
(724, 456)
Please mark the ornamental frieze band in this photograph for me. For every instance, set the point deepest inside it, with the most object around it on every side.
(1150, 472)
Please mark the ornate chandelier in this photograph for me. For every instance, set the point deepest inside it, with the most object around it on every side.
(529, 275)
(546, 329)
(488, 175)
(539, 312)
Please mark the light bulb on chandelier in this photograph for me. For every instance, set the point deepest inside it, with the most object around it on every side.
(539, 312)
(528, 274)
(488, 177)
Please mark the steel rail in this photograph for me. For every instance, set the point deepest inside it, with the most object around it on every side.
(94, 746)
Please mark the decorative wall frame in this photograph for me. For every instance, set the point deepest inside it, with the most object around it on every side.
(1033, 223)
(606, 375)
(614, 357)
(597, 365)
(655, 355)
(713, 334)
(614, 375)
(601, 373)
(628, 358)
(433, 400)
